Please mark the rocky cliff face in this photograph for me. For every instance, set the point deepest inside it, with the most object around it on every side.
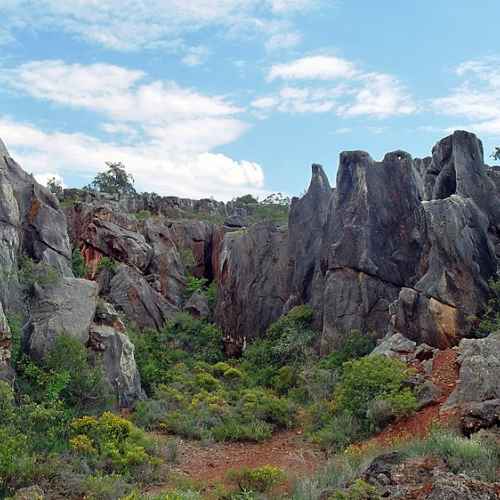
(33, 229)
(400, 245)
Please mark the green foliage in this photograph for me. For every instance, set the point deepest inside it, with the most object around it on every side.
(33, 273)
(489, 322)
(66, 375)
(478, 457)
(78, 263)
(107, 263)
(54, 186)
(15, 322)
(187, 258)
(355, 345)
(115, 180)
(113, 440)
(360, 490)
(194, 285)
(273, 208)
(142, 215)
(260, 479)
(373, 378)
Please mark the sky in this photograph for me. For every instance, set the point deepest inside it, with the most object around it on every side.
(219, 98)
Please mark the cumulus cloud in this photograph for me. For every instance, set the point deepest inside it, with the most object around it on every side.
(313, 68)
(154, 167)
(476, 98)
(165, 134)
(333, 84)
(138, 24)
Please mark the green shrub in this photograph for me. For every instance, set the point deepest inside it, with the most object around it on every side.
(33, 273)
(78, 263)
(66, 374)
(260, 479)
(372, 378)
(107, 263)
(478, 456)
(113, 439)
(142, 215)
(194, 285)
(355, 345)
(360, 490)
(16, 461)
(489, 321)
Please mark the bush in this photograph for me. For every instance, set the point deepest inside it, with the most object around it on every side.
(16, 461)
(373, 378)
(260, 479)
(356, 345)
(78, 263)
(360, 490)
(113, 440)
(478, 456)
(108, 264)
(33, 273)
(194, 285)
(66, 374)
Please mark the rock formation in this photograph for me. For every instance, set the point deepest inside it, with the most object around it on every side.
(400, 246)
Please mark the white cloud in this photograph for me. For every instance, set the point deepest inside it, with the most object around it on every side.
(45, 177)
(476, 98)
(313, 68)
(155, 167)
(380, 95)
(118, 92)
(355, 93)
(163, 133)
(136, 24)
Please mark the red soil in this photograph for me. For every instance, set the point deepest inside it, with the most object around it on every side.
(444, 375)
(208, 465)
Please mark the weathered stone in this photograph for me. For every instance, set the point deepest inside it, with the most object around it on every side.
(479, 376)
(195, 237)
(118, 243)
(252, 281)
(6, 371)
(66, 308)
(307, 219)
(197, 306)
(166, 263)
(477, 416)
(427, 320)
(117, 352)
(457, 167)
(130, 292)
(354, 301)
(396, 346)
(427, 394)
(43, 224)
(238, 218)
(447, 486)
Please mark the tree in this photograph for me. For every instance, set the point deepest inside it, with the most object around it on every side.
(54, 186)
(496, 154)
(115, 181)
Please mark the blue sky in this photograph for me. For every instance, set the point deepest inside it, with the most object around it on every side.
(223, 97)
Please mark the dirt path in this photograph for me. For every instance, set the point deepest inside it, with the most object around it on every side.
(208, 465)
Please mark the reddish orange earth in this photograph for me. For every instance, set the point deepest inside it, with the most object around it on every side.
(444, 375)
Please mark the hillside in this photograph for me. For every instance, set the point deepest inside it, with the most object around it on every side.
(344, 345)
